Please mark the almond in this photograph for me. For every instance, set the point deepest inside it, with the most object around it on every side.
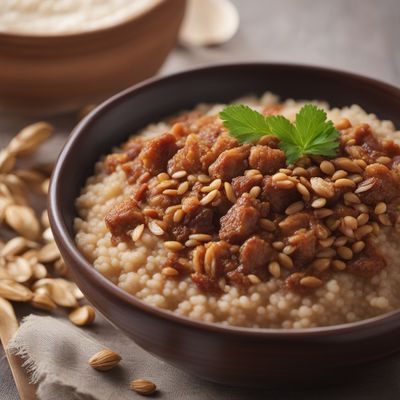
(104, 360)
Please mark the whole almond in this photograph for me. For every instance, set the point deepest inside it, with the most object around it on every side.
(84, 315)
(23, 220)
(104, 360)
(14, 291)
(143, 386)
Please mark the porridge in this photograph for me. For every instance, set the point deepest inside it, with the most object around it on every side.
(188, 217)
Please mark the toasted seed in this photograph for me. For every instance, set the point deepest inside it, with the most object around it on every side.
(155, 229)
(285, 261)
(384, 160)
(339, 175)
(361, 208)
(209, 197)
(23, 220)
(192, 243)
(7, 161)
(363, 230)
(358, 246)
(15, 246)
(350, 222)
(255, 191)
(328, 242)
(326, 253)
(48, 253)
(341, 241)
(344, 183)
(356, 178)
(362, 219)
(45, 186)
(294, 208)
(229, 192)
(179, 174)
(302, 189)
(170, 192)
(339, 265)
(321, 264)
(327, 167)
(323, 212)
(43, 302)
(300, 171)
(173, 245)
(172, 209)
(83, 316)
(274, 269)
(345, 252)
(163, 176)
(380, 208)
(318, 203)
(143, 387)
(11, 290)
(286, 184)
(183, 188)
(29, 138)
(347, 165)
(289, 249)
(279, 176)
(351, 197)
(278, 245)
(344, 123)
(104, 360)
(47, 235)
(204, 178)
(201, 237)
(322, 187)
(178, 216)
(254, 279)
(267, 224)
(20, 269)
(384, 219)
(310, 281)
(39, 271)
(366, 185)
(44, 219)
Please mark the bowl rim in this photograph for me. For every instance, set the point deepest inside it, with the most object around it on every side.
(102, 283)
(147, 9)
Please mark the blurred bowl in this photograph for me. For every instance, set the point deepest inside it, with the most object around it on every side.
(224, 354)
(42, 74)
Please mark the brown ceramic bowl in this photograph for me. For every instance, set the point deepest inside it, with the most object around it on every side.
(236, 356)
(42, 74)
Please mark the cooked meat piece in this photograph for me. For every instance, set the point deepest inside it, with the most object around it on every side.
(188, 157)
(386, 186)
(133, 148)
(156, 153)
(238, 278)
(223, 142)
(139, 191)
(368, 263)
(306, 247)
(113, 160)
(133, 170)
(205, 283)
(178, 263)
(123, 218)
(190, 204)
(230, 163)
(266, 160)
(200, 221)
(292, 283)
(219, 259)
(162, 201)
(279, 198)
(208, 127)
(255, 254)
(243, 184)
(270, 141)
(292, 223)
(240, 221)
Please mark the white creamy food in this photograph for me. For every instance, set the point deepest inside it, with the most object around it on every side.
(66, 16)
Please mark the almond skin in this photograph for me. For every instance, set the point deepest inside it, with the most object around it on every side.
(104, 360)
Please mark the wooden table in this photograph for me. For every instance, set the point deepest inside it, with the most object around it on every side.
(356, 35)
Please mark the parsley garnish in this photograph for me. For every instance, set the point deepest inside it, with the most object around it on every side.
(310, 134)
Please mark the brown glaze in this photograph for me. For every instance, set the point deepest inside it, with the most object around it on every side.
(236, 356)
(50, 74)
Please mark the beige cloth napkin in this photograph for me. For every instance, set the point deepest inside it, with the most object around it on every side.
(56, 354)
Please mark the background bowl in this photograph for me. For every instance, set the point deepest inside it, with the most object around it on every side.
(42, 74)
(236, 356)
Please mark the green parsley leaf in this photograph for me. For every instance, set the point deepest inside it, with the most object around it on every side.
(311, 134)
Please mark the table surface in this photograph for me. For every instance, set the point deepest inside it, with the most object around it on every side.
(356, 35)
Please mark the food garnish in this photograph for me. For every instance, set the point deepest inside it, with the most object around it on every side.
(311, 133)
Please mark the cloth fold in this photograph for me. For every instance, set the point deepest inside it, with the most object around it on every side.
(56, 354)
